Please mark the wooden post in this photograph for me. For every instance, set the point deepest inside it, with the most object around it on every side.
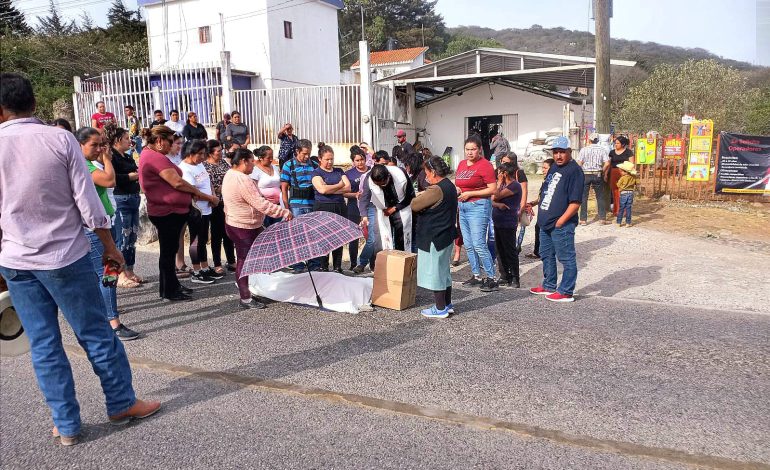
(602, 72)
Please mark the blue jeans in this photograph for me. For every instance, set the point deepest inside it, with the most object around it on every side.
(109, 294)
(474, 225)
(371, 239)
(491, 239)
(626, 204)
(559, 244)
(37, 297)
(127, 226)
(313, 263)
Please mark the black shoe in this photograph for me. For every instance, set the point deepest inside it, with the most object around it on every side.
(515, 283)
(359, 269)
(230, 267)
(201, 278)
(125, 334)
(503, 282)
(533, 256)
(254, 304)
(185, 290)
(178, 297)
(456, 263)
(339, 271)
(488, 285)
(211, 273)
(473, 281)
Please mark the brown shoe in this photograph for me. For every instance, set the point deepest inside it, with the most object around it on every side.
(65, 441)
(141, 409)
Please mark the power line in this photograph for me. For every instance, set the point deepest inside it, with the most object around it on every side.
(61, 6)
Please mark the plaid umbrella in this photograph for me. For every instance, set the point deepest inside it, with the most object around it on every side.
(299, 240)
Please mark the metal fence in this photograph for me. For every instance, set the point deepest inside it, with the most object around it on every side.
(197, 89)
(330, 114)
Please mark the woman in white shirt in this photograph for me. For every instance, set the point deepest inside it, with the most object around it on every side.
(268, 178)
(193, 171)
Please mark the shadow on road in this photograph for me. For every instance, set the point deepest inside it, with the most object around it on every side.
(619, 281)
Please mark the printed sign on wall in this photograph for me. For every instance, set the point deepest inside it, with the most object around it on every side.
(699, 154)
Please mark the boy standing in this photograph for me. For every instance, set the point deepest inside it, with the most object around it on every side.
(626, 186)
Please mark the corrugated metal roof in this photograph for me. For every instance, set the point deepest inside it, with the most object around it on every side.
(397, 56)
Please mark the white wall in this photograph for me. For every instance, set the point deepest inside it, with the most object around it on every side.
(256, 42)
(445, 120)
(312, 57)
(242, 36)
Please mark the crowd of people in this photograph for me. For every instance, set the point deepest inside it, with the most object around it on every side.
(69, 228)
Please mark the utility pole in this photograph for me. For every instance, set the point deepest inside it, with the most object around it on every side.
(602, 79)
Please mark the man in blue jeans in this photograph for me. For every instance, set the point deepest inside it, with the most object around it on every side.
(44, 259)
(560, 199)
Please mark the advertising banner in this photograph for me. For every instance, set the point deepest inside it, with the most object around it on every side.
(743, 164)
(673, 147)
(699, 155)
(646, 150)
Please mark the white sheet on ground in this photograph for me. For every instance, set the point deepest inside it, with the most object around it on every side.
(338, 293)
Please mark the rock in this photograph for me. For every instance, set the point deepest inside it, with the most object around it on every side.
(665, 198)
(147, 232)
(725, 233)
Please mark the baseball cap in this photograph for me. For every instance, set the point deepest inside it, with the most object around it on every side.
(593, 136)
(400, 133)
(561, 142)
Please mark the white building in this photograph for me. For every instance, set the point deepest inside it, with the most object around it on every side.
(287, 44)
(524, 94)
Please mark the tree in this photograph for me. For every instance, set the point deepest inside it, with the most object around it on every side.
(712, 91)
(759, 114)
(412, 23)
(123, 23)
(54, 24)
(12, 21)
(86, 22)
(462, 43)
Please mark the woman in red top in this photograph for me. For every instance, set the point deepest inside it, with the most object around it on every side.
(475, 181)
(169, 198)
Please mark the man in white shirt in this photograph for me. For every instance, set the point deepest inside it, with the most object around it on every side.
(594, 160)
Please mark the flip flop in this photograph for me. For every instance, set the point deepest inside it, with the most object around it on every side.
(127, 283)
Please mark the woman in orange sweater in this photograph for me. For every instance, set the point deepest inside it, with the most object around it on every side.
(245, 210)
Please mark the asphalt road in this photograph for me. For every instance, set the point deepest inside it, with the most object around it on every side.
(511, 381)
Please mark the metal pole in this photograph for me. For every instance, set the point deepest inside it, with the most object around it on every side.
(602, 92)
(363, 36)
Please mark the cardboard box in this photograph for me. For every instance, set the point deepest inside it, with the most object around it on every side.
(395, 279)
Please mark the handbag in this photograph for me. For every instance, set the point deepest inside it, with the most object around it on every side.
(525, 218)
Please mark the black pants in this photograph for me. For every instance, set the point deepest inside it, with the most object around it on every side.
(507, 254)
(169, 228)
(339, 209)
(219, 237)
(199, 236)
(353, 246)
(536, 251)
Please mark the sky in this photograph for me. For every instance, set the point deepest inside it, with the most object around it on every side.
(724, 27)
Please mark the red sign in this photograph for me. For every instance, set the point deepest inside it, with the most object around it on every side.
(673, 147)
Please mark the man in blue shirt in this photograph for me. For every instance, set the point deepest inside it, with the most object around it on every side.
(559, 202)
(297, 184)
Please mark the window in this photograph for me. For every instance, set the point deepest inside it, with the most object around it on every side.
(287, 30)
(204, 34)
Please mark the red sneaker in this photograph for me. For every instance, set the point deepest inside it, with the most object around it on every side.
(539, 290)
(557, 297)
